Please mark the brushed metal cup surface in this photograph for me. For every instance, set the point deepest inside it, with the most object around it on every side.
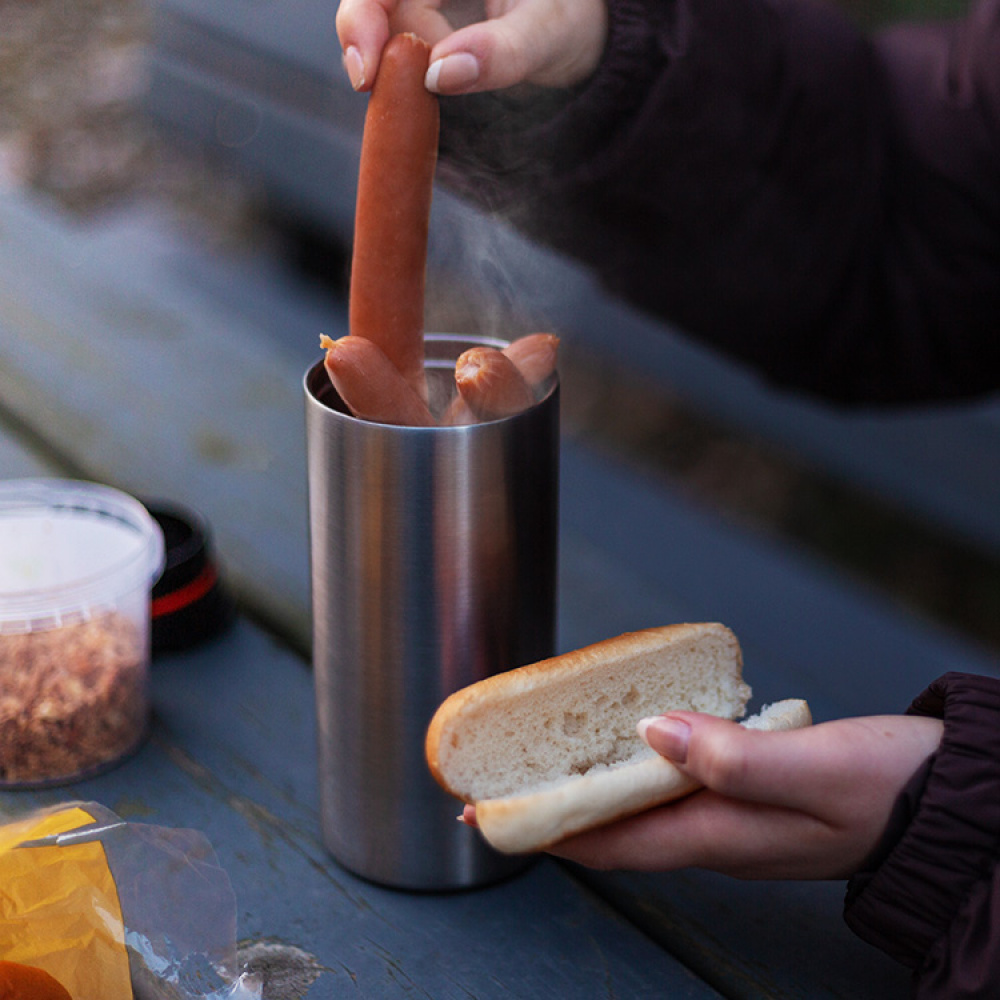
(433, 565)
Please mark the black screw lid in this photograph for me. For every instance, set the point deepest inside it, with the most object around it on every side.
(190, 602)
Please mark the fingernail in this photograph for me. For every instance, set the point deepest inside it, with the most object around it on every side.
(355, 67)
(452, 74)
(668, 737)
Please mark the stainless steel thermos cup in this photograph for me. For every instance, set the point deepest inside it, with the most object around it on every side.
(433, 565)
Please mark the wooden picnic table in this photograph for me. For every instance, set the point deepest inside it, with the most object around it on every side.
(131, 357)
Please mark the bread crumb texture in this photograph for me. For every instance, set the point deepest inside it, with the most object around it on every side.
(575, 713)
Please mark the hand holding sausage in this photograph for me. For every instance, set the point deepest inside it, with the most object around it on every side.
(392, 220)
(552, 43)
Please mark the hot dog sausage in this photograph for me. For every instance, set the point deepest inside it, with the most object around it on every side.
(395, 178)
(490, 384)
(534, 356)
(370, 384)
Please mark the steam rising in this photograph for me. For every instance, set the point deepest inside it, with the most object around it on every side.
(507, 284)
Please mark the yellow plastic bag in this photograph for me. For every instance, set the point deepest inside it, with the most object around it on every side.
(59, 908)
(118, 911)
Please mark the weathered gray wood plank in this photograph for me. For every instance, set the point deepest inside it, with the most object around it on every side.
(804, 626)
(157, 389)
(756, 939)
(935, 463)
(17, 461)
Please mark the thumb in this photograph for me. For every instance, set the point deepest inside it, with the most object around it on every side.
(536, 41)
(732, 760)
(668, 735)
(488, 55)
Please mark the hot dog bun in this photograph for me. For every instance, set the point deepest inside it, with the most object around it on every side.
(550, 749)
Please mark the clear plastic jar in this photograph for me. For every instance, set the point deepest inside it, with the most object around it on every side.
(77, 564)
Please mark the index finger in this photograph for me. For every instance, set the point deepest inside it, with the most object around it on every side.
(708, 830)
(364, 27)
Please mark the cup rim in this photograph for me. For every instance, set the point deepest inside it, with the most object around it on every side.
(320, 394)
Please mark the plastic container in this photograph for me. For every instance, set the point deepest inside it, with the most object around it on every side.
(77, 565)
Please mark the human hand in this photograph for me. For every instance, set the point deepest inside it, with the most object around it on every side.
(553, 43)
(804, 804)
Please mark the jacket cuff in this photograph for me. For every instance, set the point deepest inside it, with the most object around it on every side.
(505, 149)
(601, 105)
(910, 900)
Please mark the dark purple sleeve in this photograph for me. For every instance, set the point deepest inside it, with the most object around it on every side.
(819, 203)
(933, 900)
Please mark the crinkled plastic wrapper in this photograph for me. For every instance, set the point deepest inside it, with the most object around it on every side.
(113, 910)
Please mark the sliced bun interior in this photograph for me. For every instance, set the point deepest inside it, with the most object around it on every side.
(551, 748)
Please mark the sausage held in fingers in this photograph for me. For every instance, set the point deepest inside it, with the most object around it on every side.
(392, 219)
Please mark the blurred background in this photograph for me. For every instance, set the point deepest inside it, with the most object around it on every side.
(76, 128)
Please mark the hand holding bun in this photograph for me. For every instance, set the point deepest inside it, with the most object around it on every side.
(551, 749)
(812, 803)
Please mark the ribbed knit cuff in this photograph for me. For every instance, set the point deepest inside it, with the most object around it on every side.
(621, 82)
(905, 906)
